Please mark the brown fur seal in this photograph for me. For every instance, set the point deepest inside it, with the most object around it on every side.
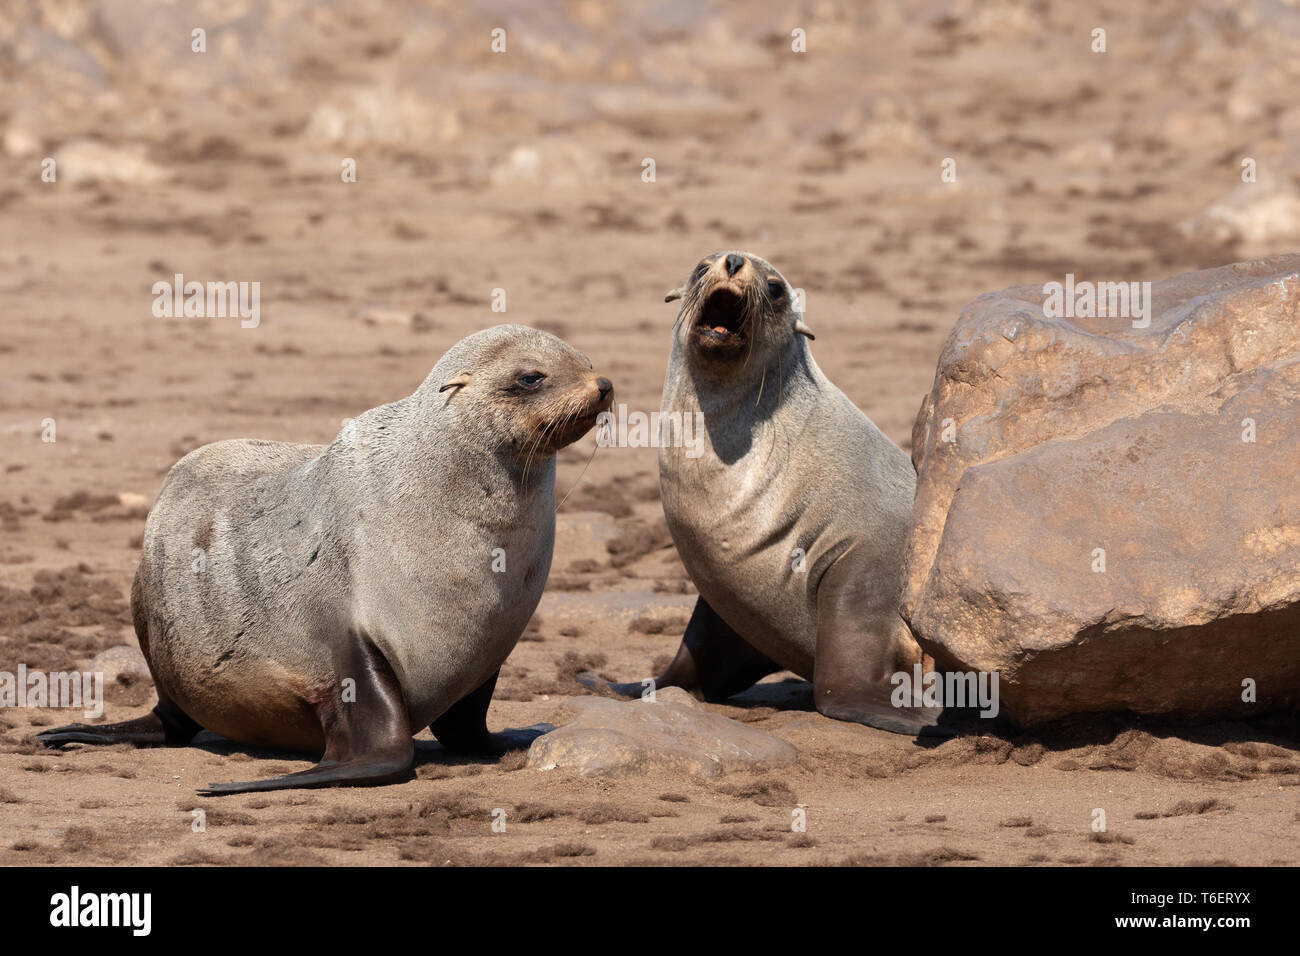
(355, 592)
(791, 523)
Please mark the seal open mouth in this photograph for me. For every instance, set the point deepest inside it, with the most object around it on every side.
(721, 326)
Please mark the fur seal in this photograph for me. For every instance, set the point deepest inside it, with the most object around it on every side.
(792, 521)
(355, 592)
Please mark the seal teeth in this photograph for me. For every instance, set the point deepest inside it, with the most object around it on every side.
(722, 313)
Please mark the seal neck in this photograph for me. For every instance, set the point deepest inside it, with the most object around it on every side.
(750, 407)
(751, 390)
(407, 455)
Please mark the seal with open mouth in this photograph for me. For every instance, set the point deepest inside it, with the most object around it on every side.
(792, 521)
(338, 598)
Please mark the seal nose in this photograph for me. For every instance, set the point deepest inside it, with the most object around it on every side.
(605, 386)
(734, 264)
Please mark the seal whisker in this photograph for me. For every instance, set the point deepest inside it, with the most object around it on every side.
(780, 379)
(538, 436)
(578, 480)
(552, 416)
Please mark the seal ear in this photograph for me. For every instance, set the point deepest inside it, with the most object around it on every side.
(464, 378)
(803, 329)
(673, 295)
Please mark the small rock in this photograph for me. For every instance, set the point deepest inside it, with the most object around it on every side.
(19, 141)
(674, 733)
(1090, 154)
(123, 659)
(85, 160)
(374, 115)
(553, 161)
(1253, 212)
(883, 125)
(415, 321)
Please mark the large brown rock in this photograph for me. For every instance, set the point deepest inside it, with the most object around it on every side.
(1045, 439)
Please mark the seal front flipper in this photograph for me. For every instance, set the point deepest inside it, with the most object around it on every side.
(367, 736)
(861, 644)
(909, 721)
(713, 661)
(166, 725)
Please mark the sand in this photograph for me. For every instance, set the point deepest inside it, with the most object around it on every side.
(523, 171)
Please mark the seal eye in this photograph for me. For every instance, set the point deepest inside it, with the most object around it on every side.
(702, 268)
(775, 289)
(530, 379)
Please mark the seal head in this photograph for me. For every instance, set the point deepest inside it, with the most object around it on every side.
(531, 390)
(735, 305)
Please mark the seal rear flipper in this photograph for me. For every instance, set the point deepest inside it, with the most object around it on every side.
(166, 725)
(367, 735)
(328, 773)
(463, 728)
(630, 690)
(713, 661)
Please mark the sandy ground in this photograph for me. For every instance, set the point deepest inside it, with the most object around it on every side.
(523, 171)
